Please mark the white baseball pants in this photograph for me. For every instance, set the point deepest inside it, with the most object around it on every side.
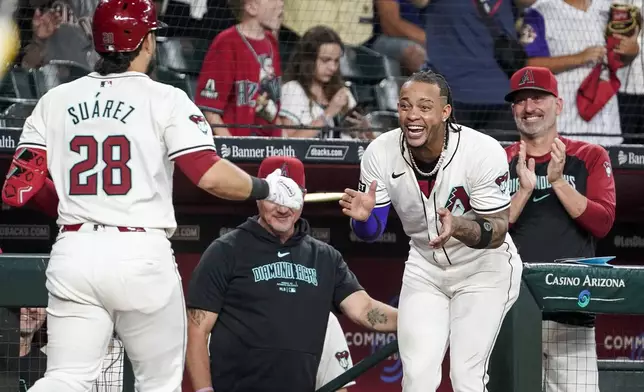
(462, 306)
(569, 358)
(103, 280)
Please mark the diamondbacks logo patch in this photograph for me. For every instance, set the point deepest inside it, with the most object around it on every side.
(502, 182)
(201, 122)
(343, 359)
(608, 169)
(458, 202)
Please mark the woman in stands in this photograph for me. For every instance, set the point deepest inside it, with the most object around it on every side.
(314, 93)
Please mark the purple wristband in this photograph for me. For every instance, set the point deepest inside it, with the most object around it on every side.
(371, 229)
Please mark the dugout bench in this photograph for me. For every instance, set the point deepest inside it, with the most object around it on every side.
(516, 360)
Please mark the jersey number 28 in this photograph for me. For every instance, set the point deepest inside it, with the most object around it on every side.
(115, 152)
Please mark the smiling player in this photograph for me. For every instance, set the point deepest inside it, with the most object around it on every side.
(449, 186)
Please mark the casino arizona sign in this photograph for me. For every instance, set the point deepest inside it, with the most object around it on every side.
(554, 280)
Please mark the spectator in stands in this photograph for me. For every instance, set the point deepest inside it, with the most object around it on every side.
(563, 201)
(631, 92)
(32, 363)
(61, 30)
(461, 48)
(351, 19)
(314, 93)
(399, 33)
(263, 292)
(568, 37)
(240, 77)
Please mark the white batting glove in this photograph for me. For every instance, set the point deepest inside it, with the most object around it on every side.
(284, 191)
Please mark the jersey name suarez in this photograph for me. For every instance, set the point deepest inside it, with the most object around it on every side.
(110, 142)
(473, 179)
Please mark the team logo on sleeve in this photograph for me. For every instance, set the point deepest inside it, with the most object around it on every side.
(362, 187)
(502, 182)
(527, 34)
(458, 202)
(209, 90)
(343, 359)
(608, 168)
(201, 122)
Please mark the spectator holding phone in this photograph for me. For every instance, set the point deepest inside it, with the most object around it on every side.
(314, 93)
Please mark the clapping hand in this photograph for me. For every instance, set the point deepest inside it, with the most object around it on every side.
(557, 161)
(358, 205)
(525, 170)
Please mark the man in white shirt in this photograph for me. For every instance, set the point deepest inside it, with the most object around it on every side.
(449, 186)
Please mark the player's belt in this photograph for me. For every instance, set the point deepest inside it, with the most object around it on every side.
(123, 229)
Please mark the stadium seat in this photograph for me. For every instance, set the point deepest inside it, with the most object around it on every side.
(179, 80)
(57, 72)
(386, 93)
(15, 115)
(182, 55)
(384, 121)
(179, 62)
(23, 83)
(365, 66)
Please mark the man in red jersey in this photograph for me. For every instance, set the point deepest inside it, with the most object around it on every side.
(240, 77)
(563, 201)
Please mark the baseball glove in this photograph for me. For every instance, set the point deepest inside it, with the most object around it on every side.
(624, 19)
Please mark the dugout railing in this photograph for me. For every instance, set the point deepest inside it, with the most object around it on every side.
(516, 360)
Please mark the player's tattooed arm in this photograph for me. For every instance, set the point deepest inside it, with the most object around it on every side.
(372, 314)
(486, 231)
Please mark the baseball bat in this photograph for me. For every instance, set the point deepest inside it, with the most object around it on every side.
(321, 197)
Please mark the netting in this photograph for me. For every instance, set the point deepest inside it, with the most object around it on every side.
(23, 353)
(248, 84)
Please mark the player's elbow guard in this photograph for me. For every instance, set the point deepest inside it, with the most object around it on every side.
(26, 176)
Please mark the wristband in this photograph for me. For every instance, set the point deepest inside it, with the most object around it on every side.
(259, 190)
(486, 233)
(206, 389)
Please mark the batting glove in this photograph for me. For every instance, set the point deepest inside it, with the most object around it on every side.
(284, 191)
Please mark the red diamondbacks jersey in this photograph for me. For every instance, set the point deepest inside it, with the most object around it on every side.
(110, 142)
(240, 80)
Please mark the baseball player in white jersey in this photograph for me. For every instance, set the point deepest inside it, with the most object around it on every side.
(336, 357)
(449, 187)
(110, 141)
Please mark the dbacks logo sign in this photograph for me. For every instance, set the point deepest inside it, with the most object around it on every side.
(458, 202)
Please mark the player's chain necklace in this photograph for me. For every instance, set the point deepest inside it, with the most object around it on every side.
(439, 163)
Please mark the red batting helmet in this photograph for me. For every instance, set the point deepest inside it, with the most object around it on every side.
(121, 25)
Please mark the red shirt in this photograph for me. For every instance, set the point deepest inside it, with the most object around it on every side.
(240, 80)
